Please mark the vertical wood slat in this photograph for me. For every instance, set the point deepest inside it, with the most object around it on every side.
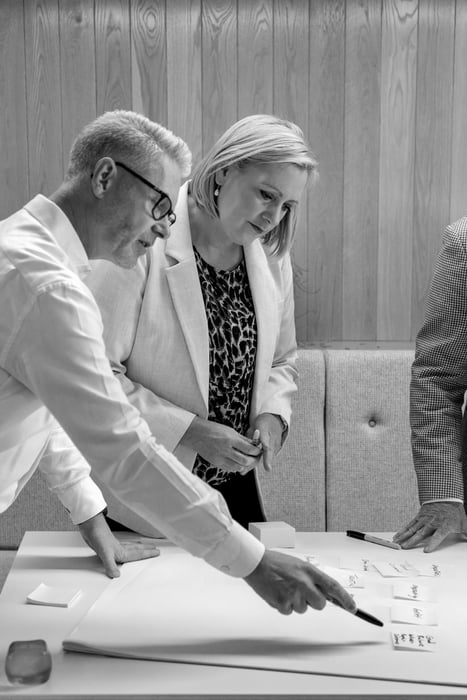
(184, 105)
(199, 64)
(255, 57)
(432, 142)
(458, 204)
(397, 155)
(291, 68)
(13, 126)
(326, 134)
(149, 60)
(219, 68)
(43, 94)
(113, 55)
(77, 61)
(361, 168)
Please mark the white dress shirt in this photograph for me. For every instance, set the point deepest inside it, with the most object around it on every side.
(53, 364)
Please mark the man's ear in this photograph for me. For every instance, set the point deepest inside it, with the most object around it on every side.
(103, 176)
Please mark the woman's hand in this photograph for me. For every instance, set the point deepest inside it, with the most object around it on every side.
(270, 436)
(222, 446)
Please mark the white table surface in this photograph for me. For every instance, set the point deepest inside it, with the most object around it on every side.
(62, 559)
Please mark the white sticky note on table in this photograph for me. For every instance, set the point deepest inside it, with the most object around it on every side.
(355, 563)
(53, 595)
(406, 639)
(429, 569)
(391, 569)
(347, 579)
(413, 591)
(414, 615)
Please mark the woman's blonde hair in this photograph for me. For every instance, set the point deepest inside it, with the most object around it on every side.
(258, 139)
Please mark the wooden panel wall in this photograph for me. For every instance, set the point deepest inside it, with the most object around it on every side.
(379, 87)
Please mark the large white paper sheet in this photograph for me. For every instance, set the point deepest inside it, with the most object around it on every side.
(177, 608)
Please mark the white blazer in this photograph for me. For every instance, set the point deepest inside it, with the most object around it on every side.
(156, 332)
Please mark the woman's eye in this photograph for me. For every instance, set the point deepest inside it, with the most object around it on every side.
(266, 195)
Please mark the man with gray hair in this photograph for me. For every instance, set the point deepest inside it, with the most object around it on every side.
(62, 409)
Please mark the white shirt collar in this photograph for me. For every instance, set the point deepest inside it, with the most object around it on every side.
(55, 220)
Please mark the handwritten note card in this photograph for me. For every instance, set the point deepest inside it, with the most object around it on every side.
(432, 569)
(355, 563)
(391, 569)
(413, 591)
(408, 640)
(414, 615)
(347, 579)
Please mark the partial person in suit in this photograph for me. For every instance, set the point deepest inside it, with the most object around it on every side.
(61, 407)
(202, 334)
(438, 386)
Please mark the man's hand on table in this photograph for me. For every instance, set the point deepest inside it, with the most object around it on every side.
(291, 585)
(434, 521)
(97, 535)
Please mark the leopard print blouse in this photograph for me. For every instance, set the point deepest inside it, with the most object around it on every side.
(232, 353)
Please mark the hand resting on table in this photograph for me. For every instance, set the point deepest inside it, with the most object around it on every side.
(434, 522)
(97, 535)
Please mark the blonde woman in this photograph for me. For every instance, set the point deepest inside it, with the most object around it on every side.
(201, 333)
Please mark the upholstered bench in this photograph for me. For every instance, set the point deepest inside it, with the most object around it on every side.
(346, 464)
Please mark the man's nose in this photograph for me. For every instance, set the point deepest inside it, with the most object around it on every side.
(161, 228)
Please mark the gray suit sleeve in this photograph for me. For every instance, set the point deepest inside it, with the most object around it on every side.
(439, 374)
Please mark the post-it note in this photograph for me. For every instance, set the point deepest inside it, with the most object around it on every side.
(413, 591)
(347, 578)
(413, 615)
(391, 569)
(431, 569)
(407, 640)
(52, 595)
(355, 563)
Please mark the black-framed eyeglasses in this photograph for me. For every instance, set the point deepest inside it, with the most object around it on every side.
(163, 206)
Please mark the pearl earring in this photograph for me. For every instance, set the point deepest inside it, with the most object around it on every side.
(216, 191)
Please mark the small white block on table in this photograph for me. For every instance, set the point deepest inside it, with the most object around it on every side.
(274, 534)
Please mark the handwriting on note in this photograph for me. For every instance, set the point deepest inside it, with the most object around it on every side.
(431, 569)
(391, 569)
(413, 591)
(348, 579)
(355, 563)
(414, 614)
(414, 641)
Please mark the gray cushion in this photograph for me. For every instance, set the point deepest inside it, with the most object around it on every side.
(36, 508)
(294, 490)
(371, 483)
(6, 561)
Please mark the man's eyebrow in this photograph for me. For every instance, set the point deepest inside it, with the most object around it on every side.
(279, 193)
